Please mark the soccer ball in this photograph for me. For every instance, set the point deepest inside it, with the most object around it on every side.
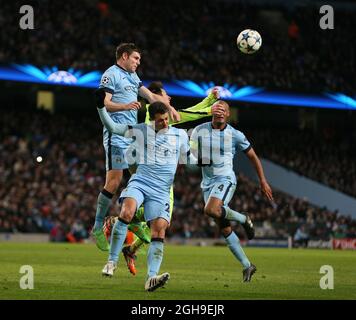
(249, 41)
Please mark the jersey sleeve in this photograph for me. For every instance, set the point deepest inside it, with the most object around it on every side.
(139, 82)
(199, 111)
(108, 82)
(109, 123)
(204, 104)
(241, 142)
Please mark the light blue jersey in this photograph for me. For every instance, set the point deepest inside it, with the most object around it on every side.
(157, 155)
(219, 147)
(123, 86)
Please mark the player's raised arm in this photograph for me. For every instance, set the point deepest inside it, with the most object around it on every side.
(212, 97)
(109, 124)
(152, 97)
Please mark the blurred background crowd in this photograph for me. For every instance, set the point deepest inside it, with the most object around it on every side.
(52, 166)
(57, 193)
(189, 40)
(327, 156)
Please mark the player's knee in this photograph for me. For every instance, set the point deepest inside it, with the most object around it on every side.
(158, 229)
(112, 182)
(226, 231)
(212, 211)
(158, 234)
(126, 215)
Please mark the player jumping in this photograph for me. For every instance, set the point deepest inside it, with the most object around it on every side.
(137, 225)
(150, 185)
(122, 86)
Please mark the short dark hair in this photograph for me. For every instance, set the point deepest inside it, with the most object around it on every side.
(156, 87)
(126, 48)
(157, 107)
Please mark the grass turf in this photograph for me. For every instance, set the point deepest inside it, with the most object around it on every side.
(66, 271)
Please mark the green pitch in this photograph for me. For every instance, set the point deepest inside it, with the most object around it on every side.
(65, 271)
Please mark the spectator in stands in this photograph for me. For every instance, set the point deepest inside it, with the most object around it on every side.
(301, 237)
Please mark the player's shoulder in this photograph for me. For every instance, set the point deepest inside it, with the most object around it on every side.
(234, 130)
(111, 70)
(175, 130)
(178, 131)
(135, 75)
(115, 72)
(240, 137)
(205, 125)
(110, 74)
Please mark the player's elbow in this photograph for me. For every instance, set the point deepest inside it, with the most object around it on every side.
(109, 126)
(150, 97)
(107, 104)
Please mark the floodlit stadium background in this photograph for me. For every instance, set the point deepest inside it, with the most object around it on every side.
(295, 100)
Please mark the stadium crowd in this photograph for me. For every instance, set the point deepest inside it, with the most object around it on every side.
(186, 41)
(327, 156)
(277, 220)
(57, 194)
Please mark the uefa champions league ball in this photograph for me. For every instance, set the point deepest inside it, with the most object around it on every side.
(249, 41)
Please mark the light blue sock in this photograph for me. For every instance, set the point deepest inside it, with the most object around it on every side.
(154, 258)
(233, 243)
(118, 236)
(234, 215)
(102, 206)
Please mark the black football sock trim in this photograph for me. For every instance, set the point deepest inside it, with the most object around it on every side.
(107, 194)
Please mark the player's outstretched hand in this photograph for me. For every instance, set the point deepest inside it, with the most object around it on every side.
(216, 93)
(174, 114)
(266, 189)
(135, 105)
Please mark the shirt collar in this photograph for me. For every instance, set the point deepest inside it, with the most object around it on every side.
(121, 67)
(218, 129)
